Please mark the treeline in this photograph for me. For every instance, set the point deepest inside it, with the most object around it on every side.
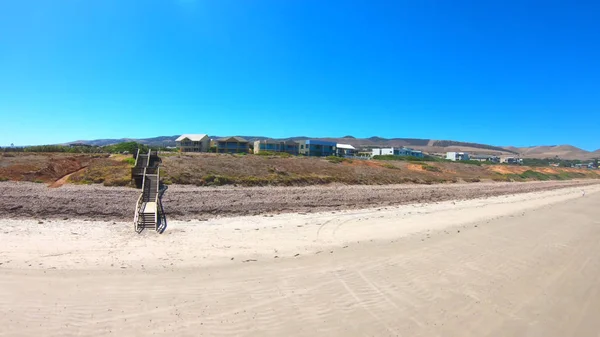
(446, 143)
(126, 147)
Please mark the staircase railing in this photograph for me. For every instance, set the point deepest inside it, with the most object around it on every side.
(137, 155)
(156, 200)
(139, 204)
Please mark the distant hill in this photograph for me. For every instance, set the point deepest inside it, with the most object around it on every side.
(427, 145)
(557, 151)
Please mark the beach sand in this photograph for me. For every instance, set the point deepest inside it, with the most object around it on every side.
(512, 265)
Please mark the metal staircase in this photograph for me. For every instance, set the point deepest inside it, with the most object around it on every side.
(148, 211)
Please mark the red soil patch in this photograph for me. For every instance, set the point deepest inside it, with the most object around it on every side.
(64, 179)
(363, 163)
(415, 167)
(40, 167)
(508, 169)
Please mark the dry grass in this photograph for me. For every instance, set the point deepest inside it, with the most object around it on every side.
(109, 172)
(250, 170)
(209, 169)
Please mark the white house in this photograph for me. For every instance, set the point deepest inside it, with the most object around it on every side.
(193, 143)
(485, 158)
(394, 151)
(344, 150)
(454, 156)
(511, 160)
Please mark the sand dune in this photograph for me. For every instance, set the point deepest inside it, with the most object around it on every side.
(520, 265)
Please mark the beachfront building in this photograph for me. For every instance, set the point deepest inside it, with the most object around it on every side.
(193, 143)
(485, 158)
(271, 145)
(511, 160)
(345, 150)
(231, 145)
(397, 151)
(316, 148)
(457, 156)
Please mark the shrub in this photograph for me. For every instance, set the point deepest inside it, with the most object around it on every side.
(130, 147)
(335, 160)
(431, 168)
(390, 166)
(273, 154)
(529, 174)
(501, 177)
(469, 162)
(117, 182)
(130, 161)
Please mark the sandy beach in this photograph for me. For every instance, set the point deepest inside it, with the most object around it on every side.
(511, 265)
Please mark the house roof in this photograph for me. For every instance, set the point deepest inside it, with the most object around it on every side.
(346, 147)
(232, 139)
(192, 137)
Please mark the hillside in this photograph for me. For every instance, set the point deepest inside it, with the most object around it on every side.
(251, 170)
(427, 145)
(560, 151)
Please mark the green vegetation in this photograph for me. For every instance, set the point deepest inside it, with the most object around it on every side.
(431, 168)
(53, 148)
(107, 172)
(546, 162)
(130, 161)
(130, 147)
(390, 166)
(337, 160)
(273, 154)
(4, 179)
(470, 162)
(534, 175)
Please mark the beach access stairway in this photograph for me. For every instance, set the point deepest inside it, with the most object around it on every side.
(148, 208)
(143, 161)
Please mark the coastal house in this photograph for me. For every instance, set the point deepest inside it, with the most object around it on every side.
(271, 145)
(193, 143)
(511, 160)
(457, 156)
(395, 151)
(316, 148)
(345, 150)
(485, 158)
(231, 145)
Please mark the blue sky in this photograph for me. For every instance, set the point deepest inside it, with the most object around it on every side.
(497, 72)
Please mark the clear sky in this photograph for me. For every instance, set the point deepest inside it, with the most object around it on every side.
(512, 72)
